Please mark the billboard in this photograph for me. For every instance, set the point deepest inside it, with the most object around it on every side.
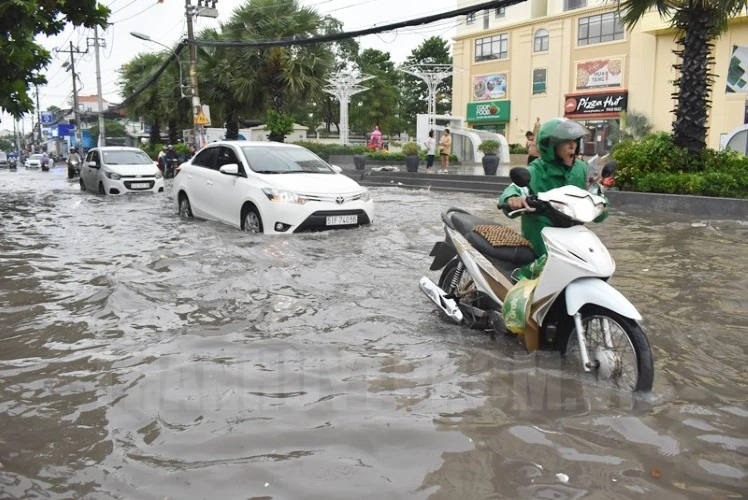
(737, 79)
(599, 73)
(489, 87)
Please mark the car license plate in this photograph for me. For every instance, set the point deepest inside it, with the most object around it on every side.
(139, 185)
(341, 220)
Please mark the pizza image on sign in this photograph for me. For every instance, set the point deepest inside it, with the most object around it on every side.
(599, 73)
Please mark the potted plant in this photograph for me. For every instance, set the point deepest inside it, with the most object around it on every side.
(489, 148)
(411, 150)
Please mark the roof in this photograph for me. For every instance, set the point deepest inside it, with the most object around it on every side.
(91, 98)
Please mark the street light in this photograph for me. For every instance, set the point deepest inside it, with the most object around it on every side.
(146, 38)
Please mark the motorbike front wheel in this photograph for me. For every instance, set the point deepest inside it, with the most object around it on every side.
(624, 359)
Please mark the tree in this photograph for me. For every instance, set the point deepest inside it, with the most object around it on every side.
(57, 114)
(380, 104)
(148, 105)
(21, 58)
(6, 143)
(112, 128)
(415, 94)
(698, 24)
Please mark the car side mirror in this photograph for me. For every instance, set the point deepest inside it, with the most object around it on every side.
(229, 169)
(520, 176)
(93, 164)
(337, 169)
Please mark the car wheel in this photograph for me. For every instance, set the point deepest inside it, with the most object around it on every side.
(83, 185)
(251, 221)
(101, 188)
(185, 210)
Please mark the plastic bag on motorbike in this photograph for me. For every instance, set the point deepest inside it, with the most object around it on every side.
(516, 309)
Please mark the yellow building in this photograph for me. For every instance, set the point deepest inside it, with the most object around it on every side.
(549, 58)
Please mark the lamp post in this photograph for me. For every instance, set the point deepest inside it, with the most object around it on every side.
(147, 38)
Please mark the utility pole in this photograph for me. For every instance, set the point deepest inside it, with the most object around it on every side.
(201, 11)
(102, 132)
(76, 108)
(38, 118)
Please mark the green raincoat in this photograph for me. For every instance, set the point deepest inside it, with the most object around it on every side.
(547, 175)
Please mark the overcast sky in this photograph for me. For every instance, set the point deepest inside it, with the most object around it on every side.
(165, 23)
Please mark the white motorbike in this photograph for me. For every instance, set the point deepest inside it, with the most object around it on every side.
(573, 309)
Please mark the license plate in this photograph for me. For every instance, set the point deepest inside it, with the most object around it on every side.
(140, 185)
(341, 220)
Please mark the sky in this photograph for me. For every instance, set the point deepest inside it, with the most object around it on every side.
(165, 23)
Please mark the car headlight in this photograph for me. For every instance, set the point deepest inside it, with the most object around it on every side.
(365, 196)
(112, 175)
(159, 174)
(279, 196)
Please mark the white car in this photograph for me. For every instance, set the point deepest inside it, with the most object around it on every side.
(34, 161)
(119, 170)
(269, 187)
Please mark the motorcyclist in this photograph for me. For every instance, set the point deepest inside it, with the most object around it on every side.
(171, 160)
(74, 163)
(558, 143)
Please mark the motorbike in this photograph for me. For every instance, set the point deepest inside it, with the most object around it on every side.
(171, 166)
(572, 310)
(74, 169)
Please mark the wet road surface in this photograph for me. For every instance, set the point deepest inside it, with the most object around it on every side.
(147, 356)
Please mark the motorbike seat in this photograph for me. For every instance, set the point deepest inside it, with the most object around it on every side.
(464, 223)
(501, 243)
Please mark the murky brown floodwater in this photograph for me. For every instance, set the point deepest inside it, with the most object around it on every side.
(144, 356)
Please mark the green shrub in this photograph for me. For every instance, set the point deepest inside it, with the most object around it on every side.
(375, 155)
(489, 146)
(324, 151)
(657, 165)
(411, 148)
(517, 149)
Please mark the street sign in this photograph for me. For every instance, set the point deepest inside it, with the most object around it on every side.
(201, 119)
(46, 117)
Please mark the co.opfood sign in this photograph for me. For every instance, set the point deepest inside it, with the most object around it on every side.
(488, 111)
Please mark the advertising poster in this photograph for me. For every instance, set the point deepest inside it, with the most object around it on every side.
(599, 74)
(488, 87)
(737, 79)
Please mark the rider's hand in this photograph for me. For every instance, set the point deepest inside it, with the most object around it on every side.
(517, 202)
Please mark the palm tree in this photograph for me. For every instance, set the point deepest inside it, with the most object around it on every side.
(148, 104)
(273, 78)
(698, 24)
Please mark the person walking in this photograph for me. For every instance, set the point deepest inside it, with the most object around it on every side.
(430, 145)
(445, 149)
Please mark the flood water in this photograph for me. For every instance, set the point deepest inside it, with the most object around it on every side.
(145, 356)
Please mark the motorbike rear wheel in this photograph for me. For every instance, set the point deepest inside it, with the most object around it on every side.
(627, 363)
(462, 291)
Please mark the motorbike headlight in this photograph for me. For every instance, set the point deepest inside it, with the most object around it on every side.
(563, 208)
(112, 175)
(365, 196)
(280, 196)
(159, 174)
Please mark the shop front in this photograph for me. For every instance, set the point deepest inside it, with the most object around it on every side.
(600, 112)
(491, 116)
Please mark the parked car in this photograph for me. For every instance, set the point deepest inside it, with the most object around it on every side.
(269, 187)
(119, 170)
(4, 160)
(34, 161)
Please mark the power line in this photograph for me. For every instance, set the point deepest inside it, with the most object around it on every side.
(281, 42)
(135, 15)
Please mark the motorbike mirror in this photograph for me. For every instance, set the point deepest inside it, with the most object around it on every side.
(520, 176)
(609, 170)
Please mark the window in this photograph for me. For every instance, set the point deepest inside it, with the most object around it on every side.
(574, 4)
(541, 40)
(206, 158)
(275, 160)
(500, 12)
(470, 18)
(226, 155)
(599, 29)
(126, 157)
(491, 47)
(486, 19)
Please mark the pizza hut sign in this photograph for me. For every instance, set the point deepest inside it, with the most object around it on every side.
(591, 104)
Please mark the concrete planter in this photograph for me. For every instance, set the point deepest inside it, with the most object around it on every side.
(359, 161)
(412, 162)
(490, 163)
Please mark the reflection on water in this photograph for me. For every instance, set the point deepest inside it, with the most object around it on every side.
(144, 356)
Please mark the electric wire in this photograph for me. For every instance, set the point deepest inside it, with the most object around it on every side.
(135, 15)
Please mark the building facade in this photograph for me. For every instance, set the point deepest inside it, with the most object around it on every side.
(540, 59)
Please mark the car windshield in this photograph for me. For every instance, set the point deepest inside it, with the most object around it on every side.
(279, 160)
(37, 157)
(126, 158)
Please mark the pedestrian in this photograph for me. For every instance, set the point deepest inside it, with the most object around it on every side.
(191, 151)
(375, 140)
(45, 161)
(445, 149)
(532, 147)
(430, 145)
